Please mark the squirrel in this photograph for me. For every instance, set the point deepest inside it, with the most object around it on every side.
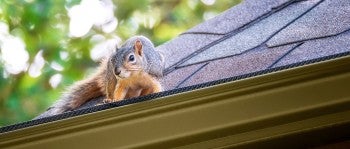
(130, 71)
(132, 66)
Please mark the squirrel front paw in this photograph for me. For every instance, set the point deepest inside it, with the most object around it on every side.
(104, 101)
(108, 100)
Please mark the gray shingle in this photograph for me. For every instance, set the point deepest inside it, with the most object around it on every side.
(318, 48)
(329, 18)
(254, 35)
(237, 16)
(183, 45)
(252, 61)
(173, 79)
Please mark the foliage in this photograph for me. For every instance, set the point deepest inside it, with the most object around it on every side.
(55, 59)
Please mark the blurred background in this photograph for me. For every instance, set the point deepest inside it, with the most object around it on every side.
(46, 45)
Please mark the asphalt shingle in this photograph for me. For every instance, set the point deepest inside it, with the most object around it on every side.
(258, 59)
(184, 45)
(175, 78)
(331, 17)
(318, 48)
(237, 16)
(254, 35)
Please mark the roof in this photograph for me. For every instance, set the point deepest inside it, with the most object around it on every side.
(255, 36)
(251, 37)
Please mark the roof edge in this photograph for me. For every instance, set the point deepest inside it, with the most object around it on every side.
(269, 107)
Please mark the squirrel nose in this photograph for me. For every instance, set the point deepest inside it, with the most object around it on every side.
(117, 71)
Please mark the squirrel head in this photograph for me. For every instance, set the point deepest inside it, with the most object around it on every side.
(128, 60)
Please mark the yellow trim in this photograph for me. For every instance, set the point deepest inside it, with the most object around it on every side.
(271, 109)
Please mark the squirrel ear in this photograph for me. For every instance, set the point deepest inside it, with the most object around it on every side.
(138, 47)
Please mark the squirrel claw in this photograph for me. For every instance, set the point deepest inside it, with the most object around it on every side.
(107, 100)
(104, 102)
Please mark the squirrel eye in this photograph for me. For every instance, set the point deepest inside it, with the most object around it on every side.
(131, 58)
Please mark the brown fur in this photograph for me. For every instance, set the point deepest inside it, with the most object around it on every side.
(132, 81)
(138, 84)
(140, 77)
(85, 90)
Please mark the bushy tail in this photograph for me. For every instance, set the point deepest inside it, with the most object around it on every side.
(76, 95)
